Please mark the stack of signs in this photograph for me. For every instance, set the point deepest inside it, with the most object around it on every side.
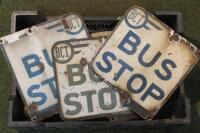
(136, 69)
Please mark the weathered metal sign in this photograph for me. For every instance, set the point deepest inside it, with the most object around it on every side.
(29, 55)
(101, 34)
(81, 94)
(146, 59)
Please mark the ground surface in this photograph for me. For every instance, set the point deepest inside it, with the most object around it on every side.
(191, 14)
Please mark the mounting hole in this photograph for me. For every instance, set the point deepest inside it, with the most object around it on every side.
(34, 118)
(30, 30)
(113, 118)
(176, 37)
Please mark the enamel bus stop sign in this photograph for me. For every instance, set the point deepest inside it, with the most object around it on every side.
(82, 94)
(29, 54)
(145, 59)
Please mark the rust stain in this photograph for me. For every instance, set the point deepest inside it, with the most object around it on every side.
(41, 66)
(65, 24)
(169, 54)
(32, 107)
(197, 53)
(65, 72)
(182, 41)
(124, 96)
(83, 61)
(174, 37)
(188, 45)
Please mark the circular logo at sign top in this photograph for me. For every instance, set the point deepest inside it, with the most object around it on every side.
(72, 24)
(136, 18)
(62, 52)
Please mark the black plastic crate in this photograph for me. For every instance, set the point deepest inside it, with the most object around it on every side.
(176, 111)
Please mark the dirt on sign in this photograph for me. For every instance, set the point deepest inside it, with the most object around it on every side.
(146, 59)
(28, 53)
(82, 94)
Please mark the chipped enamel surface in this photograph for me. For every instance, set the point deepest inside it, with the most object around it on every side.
(29, 54)
(146, 59)
(82, 94)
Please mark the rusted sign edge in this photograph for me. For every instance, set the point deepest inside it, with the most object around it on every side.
(35, 116)
(56, 77)
(53, 109)
(110, 116)
(133, 105)
(56, 80)
(146, 114)
(23, 32)
(64, 16)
